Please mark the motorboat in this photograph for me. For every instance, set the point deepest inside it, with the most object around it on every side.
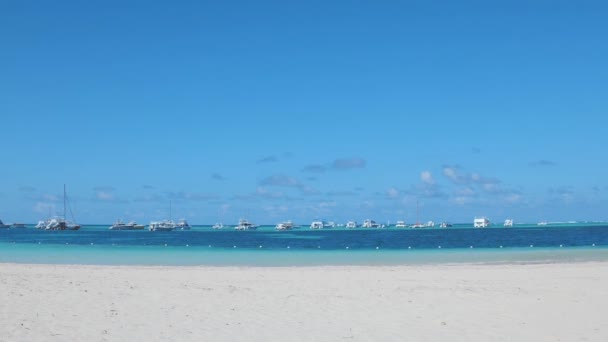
(288, 225)
(218, 225)
(481, 222)
(430, 224)
(317, 225)
(445, 225)
(182, 224)
(132, 225)
(508, 223)
(370, 224)
(351, 224)
(245, 225)
(400, 224)
(161, 226)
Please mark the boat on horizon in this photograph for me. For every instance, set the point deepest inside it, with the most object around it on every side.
(400, 224)
(161, 226)
(218, 225)
(508, 223)
(445, 225)
(182, 224)
(351, 224)
(317, 225)
(131, 225)
(287, 225)
(481, 222)
(370, 224)
(3, 225)
(59, 222)
(245, 225)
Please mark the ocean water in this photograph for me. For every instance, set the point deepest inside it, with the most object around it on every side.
(303, 247)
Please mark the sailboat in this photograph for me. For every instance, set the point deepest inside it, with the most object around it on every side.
(418, 224)
(166, 225)
(59, 223)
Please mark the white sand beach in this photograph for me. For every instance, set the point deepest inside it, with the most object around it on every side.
(539, 302)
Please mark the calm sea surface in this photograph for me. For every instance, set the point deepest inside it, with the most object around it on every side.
(267, 247)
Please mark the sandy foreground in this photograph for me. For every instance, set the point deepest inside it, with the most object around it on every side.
(547, 302)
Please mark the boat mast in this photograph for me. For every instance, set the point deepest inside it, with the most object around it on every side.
(64, 217)
(417, 213)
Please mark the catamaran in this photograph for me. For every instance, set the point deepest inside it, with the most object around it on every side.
(165, 225)
(162, 226)
(59, 223)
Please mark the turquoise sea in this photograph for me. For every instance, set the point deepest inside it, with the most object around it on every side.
(304, 247)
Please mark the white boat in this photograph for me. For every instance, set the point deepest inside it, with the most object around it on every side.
(370, 224)
(417, 224)
(182, 224)
(288, 225)
(542, 223)
(161, 226)
(445, 225)
(41, 224)
(330, 224)
(481, 222)
(132, 225)
(508, 223)
(351, 224)
(165, 225)
(2, 225)
(245, 225)
(317, 225)
(218, 225)
(59, 223)
(400, 224)
(430, 224)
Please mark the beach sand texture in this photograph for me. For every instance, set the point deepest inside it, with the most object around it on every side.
(536, 302)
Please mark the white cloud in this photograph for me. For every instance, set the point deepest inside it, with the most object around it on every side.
(392, 193)
(427, 178)
(461, 200)
(104, 196)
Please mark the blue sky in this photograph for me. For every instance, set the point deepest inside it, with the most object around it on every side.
(302, 110)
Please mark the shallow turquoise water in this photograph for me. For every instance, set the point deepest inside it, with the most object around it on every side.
(303, 247)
